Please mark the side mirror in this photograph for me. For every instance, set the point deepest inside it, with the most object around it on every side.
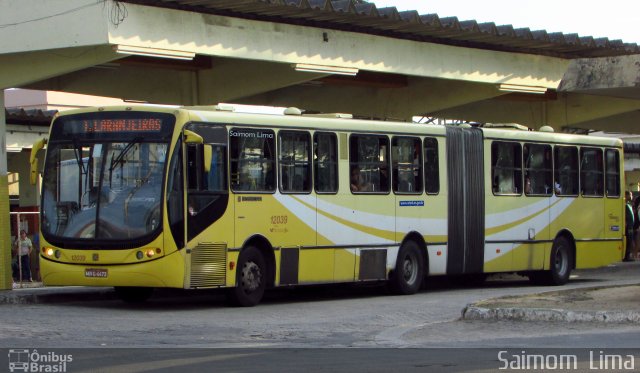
(191, 137)
(33, 159)
(208, 154)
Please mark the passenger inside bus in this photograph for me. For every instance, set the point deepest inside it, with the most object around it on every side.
(356, 180)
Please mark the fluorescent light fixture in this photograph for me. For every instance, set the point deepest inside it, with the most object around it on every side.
(323, 69)
(522, 88)
(153, 52)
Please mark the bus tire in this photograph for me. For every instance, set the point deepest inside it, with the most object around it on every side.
(133, 294)
(407, 276)
(560, 265)
(561, 262)
(251, 278)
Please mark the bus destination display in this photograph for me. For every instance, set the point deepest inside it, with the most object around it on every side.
(122, 125)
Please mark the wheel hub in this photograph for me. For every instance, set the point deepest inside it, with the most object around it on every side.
(251, 277)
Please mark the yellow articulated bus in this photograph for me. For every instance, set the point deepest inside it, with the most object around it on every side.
(147, 197)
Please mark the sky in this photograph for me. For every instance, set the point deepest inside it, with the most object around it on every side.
(613, 19)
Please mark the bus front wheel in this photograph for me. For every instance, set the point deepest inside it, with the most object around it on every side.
(250, 278)
(409, 271)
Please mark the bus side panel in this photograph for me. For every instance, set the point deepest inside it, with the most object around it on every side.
(332, 228)
(589, 230)
(286, 221)
(533, 226)
(316, 265)
(582, 218)
(614, 228)
(371, 222)
(517, 232)
(430, 221)
(498, 256)
(201, 268)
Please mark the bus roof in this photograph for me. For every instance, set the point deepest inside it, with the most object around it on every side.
(342, 123)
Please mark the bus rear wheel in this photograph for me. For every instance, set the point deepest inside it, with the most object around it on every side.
(409, 271)
(250, 278)
(559, 268)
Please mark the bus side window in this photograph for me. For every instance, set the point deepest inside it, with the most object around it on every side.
(325, 162)
(506, 161)
(612, 169)
(538, 172)
(431, 166)
(566, 170)
(295, 162)
(591, 172)
(369, 163)
(406, 159)
(252, 160)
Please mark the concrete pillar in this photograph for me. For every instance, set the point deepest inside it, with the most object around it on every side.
(5, 235)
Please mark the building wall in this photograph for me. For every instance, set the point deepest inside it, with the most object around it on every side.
(52, 100)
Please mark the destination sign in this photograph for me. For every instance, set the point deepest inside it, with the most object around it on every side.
(121, 125)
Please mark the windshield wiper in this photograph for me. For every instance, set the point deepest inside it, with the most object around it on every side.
(77, 152)
(120, 157)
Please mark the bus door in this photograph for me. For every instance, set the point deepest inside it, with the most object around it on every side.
(533, 236)
(252, 162)
(208, 223)
(614, 207)
(371, 205)
(465, 170)
(614, 201)
(293, 218)
(332, 219)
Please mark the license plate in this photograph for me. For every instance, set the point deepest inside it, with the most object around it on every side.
(96, 272)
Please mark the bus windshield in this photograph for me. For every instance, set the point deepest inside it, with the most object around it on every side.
(102, 186)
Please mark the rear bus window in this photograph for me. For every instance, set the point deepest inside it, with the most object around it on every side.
(612, 170)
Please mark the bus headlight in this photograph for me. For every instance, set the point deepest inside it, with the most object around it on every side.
(48, 252)
(150, 253)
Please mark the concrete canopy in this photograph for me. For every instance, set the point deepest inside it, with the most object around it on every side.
(205, 52)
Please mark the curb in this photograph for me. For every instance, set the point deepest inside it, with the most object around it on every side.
(472, 312)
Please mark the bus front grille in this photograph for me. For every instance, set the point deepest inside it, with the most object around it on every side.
(209, 265)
